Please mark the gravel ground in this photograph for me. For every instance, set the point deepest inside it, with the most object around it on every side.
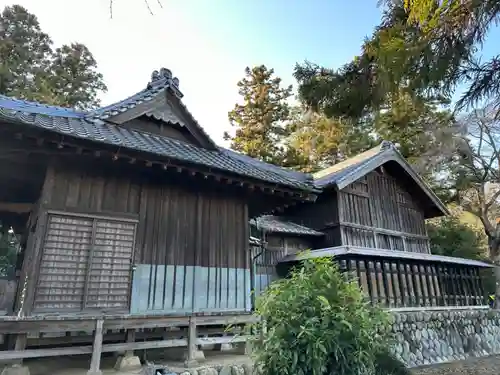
(471, 366)
(79, 365)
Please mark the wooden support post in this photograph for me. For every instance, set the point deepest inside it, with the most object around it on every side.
(426, 298)
(384, 272)
(192, 347)
(369, 281)
(20, 345)
(409, 285)
(416, 285)
(376, 267)
(403, 288)
(396, 287)
(95, 363)
(430, 286)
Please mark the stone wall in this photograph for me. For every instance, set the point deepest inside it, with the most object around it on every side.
(431, 337)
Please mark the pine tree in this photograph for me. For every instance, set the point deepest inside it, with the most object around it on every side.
(261, 121)
(30, 67)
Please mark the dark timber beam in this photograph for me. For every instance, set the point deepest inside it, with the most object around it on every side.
(18, 208)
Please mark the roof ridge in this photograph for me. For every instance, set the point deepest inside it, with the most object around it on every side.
(161, 81)
(28, 106)
(383, 146)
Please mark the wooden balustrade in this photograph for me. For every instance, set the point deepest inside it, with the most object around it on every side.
(396, 283)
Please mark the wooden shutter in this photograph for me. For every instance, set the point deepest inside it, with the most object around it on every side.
(86, 264)
(63, 267)
(109, 276)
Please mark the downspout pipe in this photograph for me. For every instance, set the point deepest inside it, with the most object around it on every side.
(252, 266)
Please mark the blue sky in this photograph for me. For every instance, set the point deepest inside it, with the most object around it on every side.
(208, 43)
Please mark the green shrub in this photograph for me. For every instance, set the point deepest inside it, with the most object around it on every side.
(319, 323)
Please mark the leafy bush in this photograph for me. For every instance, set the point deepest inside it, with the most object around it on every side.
(319, 323)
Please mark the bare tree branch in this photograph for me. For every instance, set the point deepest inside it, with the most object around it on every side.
(149, 8)
(111, 3)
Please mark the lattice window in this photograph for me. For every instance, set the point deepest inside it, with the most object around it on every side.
(86, 264)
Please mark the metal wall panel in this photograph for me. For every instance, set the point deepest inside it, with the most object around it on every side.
(186, 289)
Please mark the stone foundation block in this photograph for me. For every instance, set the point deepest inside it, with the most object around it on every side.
(16, 370)
(128, 362)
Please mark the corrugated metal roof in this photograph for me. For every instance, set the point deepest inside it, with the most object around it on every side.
(277, 224)
(331, 175)
(78, 124)
(382, 253)
(350, 170)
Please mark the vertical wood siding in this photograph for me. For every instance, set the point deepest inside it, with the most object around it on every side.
(376, 211)
(191, 250)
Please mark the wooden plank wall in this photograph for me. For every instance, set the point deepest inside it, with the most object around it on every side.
(376, 211)
(278, 245)
(191, 249)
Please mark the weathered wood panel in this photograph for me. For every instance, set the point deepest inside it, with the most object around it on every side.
(85, 264)
(151, 126)
(109, 277)
(191, 250)
(376, 211)
(323, 212)
(63, 267)
(288, 244)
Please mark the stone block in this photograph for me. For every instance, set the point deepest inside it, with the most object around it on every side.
(128, 362)
(16, 370)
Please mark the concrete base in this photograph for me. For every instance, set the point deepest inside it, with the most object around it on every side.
(16, 370)
(128, 362)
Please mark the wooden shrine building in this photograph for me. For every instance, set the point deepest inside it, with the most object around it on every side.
(372, 212)
(130, 218)
(134, 222)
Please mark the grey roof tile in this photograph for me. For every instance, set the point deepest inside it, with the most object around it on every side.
(277, 224)
(77, 124)
(160, 82)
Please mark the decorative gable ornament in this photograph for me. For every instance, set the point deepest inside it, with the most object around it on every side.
(165, 78)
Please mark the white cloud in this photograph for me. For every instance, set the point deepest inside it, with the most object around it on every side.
(133, 43)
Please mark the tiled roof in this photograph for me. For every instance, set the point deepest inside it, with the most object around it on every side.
(276, 224)
(82, 125)
(160, 81)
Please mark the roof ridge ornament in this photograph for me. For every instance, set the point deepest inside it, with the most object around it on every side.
(164, 78)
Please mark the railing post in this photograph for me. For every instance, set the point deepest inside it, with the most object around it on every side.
(95, 363)
(192, 347)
